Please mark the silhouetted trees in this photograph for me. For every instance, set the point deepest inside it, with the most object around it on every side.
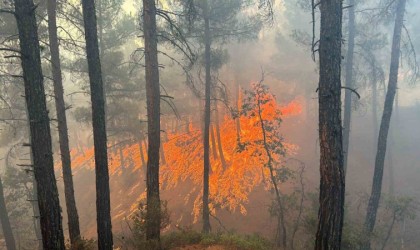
(385, 123)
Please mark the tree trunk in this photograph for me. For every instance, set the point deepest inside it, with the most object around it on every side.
(219, 140)
(349, 83)
(331, 197)
(384, 128)
(103, 207)
(153, 216)
(213, 143)
(238, 107)
(375, 104)
(143, 162)
(72, 215)
(206, 144)
(162, 154)
(39, 123)
(5, 223)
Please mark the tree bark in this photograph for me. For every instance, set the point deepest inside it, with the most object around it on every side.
(5, 223)
(39, 123)
(219, 140)
(103, 207)
(331, 197)
(72, 215)
(349, 83)
(206, 143)
(385, 122)
(153, 216)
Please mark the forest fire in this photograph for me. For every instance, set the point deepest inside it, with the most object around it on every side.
(234, 172)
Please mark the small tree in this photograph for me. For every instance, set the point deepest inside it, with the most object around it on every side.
(260, 103)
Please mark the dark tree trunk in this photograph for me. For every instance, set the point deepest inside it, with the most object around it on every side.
(153, 216)
(72, 215)
(103, 207)
(206, 143)
(331, 197)
(384, 128)
(219, 139)
(349, 84)
(39, 123)
(5, 223)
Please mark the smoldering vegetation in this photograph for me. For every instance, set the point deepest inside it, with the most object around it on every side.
(240, 124)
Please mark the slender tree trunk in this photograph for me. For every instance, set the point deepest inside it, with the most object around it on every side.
(219, 139)
(375, 104)
(391, 162)
(143, 162)
(72, 215)
(213, 143)
(281, 221)
(349, 83)
(153, 216)
(39, 123)
(122, 160)
(238, 107)
(332, 187)
(162, 154)
(103, 206)
(5, 223)
(206, 144)
(386, 119)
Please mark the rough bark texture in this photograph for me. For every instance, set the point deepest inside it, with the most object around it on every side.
(206, 141)
(72, 215)
(385, 122)
(49, 207)
(349, 83)
(332, 186)
(5, 223)
(103, 207)
(153, 216)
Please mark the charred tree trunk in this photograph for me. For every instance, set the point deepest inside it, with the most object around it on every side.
(349, 84)
(219, 139)
(331, 197)
(153, 216)
(103, 207)
(5, 223)
(72, 215)
(384, 128)
(206, 143)
(39, 123)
